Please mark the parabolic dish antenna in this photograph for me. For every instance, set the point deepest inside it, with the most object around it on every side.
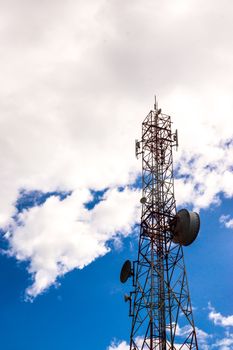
(126, 271)
(143, 200)
(186, 227)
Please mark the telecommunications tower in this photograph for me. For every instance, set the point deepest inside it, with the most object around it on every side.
(159, 303)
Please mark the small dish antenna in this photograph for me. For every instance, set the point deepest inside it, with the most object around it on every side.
(137, 148)
(186, 227)
(126, 271)
(143, 200)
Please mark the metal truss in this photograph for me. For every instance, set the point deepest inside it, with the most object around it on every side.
(160, 303)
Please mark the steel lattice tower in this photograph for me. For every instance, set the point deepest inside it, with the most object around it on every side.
(160, 302)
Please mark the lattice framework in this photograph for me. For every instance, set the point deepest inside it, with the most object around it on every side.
(160, 300)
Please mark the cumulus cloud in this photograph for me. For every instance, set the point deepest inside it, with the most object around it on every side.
(63, 235)
(206, 341)
(202, 336)
(118, 346)
(203, 340)
(122, 345)
(79, 77)
(225, 343)
(204, 165)
(185, 330)
(219, 319)
(180, 332)
(226, 220)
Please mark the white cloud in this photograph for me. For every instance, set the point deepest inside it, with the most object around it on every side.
(225, 343)
(219, 319)
(202, 336)
(226, 220)
(204, 165)
(182, 332)
(206, 341)
(119, 346)
(185, 330)
(79, 79)
(203, 342)
(62, 235)
(203, 339)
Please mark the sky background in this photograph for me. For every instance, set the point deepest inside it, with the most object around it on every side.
(78, 77)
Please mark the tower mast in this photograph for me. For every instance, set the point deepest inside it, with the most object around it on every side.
(160, 303)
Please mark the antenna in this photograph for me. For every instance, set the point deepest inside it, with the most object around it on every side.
(155, 104)
(186, 228)
(176, 139)
(126, 271)
(160, 300)
(137, 148)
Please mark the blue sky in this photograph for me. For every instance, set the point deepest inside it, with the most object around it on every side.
(87, 308)
(78, 78)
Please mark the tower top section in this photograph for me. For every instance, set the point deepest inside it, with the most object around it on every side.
(156, 123)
